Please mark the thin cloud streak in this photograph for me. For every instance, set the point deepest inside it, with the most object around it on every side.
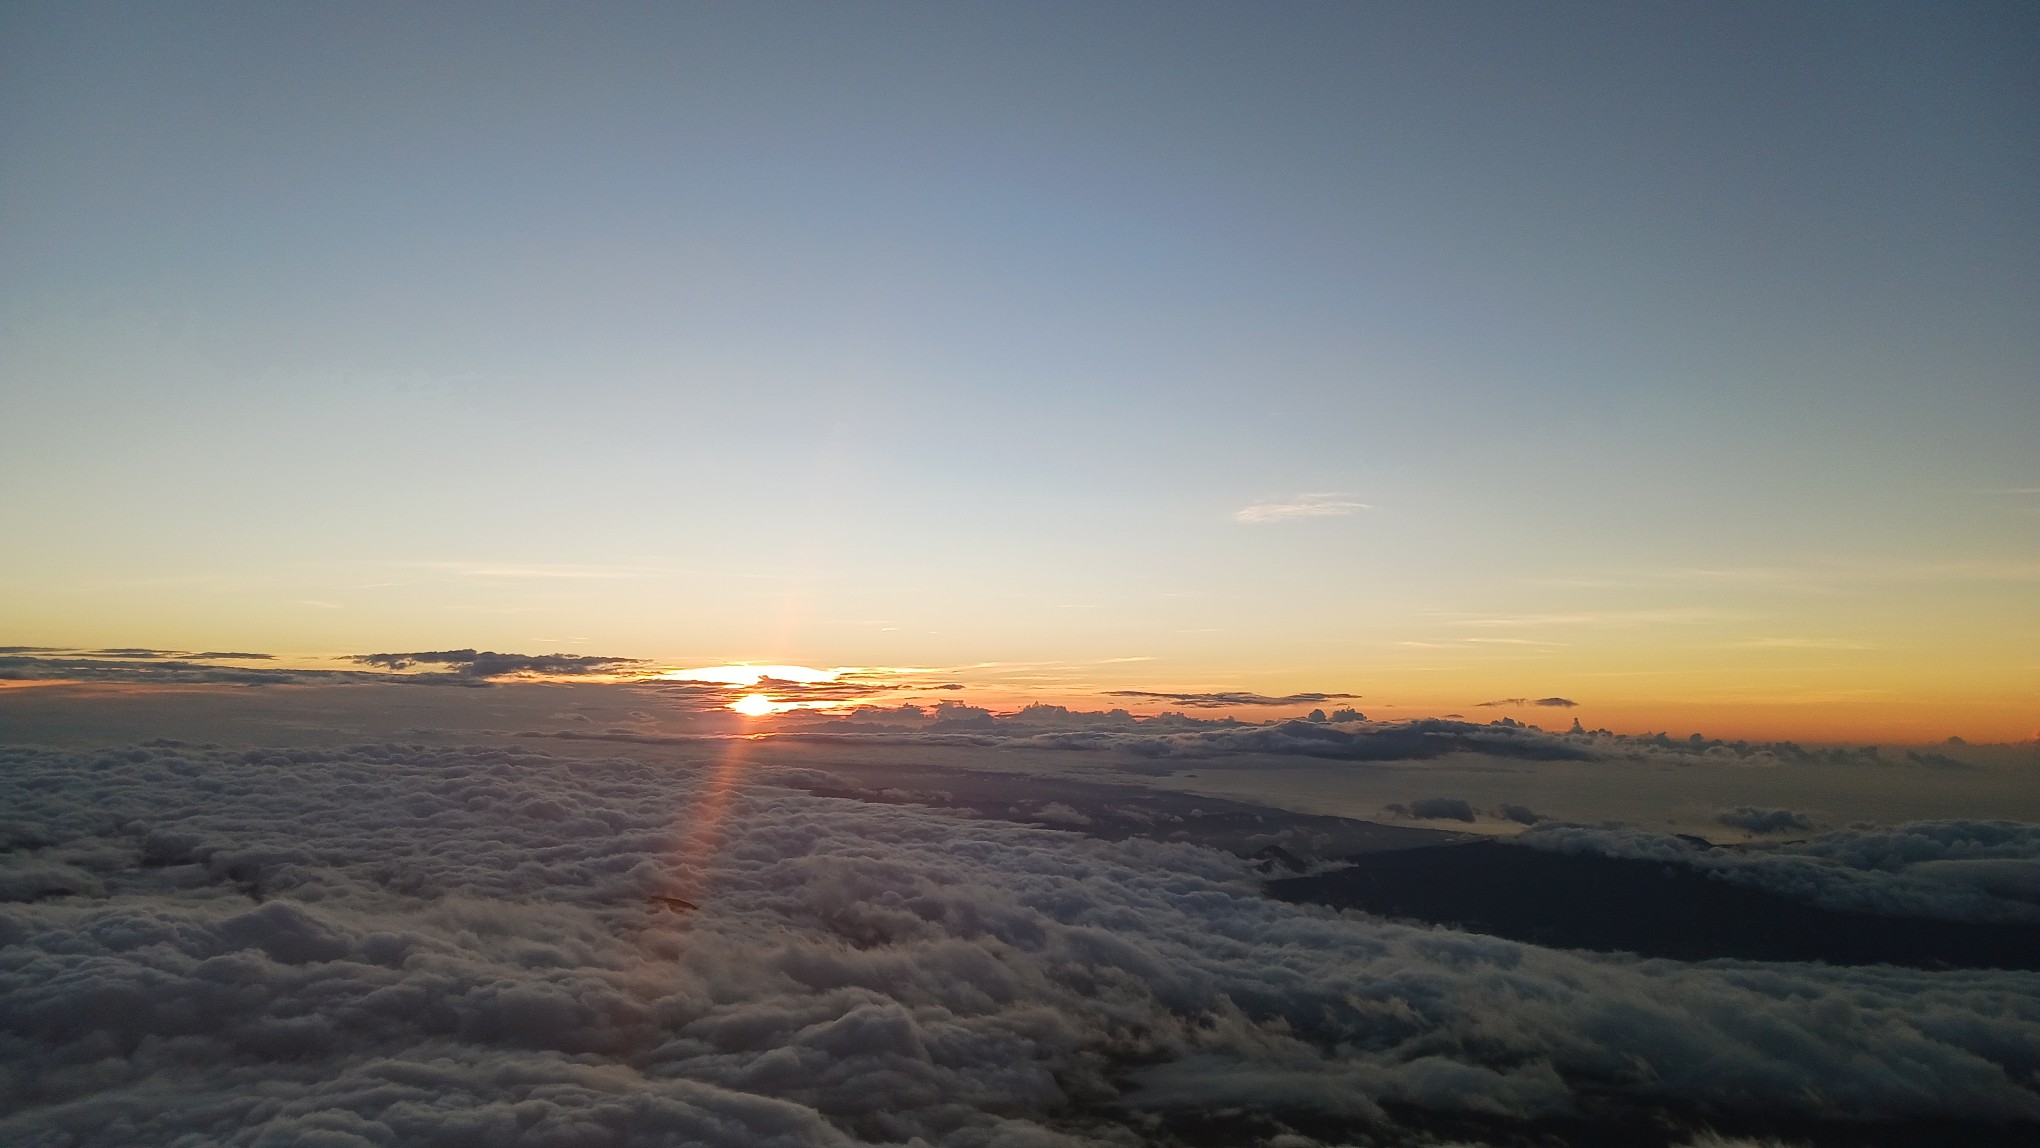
(1682, 616)
(1812, 577)
(541, 571)
(1804, 644)
(1326, 504)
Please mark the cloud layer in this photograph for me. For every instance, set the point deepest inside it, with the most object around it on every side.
(462, 667)
(489, 664)
(389, 944)
(1228, 699)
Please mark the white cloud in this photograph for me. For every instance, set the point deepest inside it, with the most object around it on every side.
(1320, 505)
(390, 944)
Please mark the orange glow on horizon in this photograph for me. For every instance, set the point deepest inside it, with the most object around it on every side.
(763, 705)
(740, 675)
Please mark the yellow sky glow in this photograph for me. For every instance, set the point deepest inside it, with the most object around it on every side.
(750, 675)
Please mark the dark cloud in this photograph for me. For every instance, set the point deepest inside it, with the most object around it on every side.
(1937, 760)
(1166, 736)
(1435, 809)
(1229, 698)
(1513, 703)
(136, 653)
(489, 664)
(1754, 820)
(1179, 736)
(393, 945)
(164, 670)
(140, 665)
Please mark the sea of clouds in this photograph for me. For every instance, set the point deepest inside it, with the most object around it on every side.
(390, 945)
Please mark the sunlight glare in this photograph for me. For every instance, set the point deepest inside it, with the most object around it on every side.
(750, 675)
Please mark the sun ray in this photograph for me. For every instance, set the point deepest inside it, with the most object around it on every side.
(699, 831)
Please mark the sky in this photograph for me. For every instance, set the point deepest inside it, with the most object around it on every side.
(1676, 359)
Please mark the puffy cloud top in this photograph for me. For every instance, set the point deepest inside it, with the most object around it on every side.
(394, 945)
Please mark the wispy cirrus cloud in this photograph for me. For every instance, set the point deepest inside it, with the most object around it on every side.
(540, 571)
(1321, 504)
(1675, 616)
(1808, 577)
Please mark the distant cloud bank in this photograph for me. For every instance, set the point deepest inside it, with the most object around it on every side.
(1227, 699)
(1753, 820)
(140, 665)
(489, 664)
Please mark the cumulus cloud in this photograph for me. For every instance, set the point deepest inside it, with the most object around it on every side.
(390, 944)
(1317, 505)
(1513, 703)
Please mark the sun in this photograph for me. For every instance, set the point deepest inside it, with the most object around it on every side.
(750, 682)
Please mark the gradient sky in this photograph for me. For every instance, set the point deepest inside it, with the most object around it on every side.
(1682, 359)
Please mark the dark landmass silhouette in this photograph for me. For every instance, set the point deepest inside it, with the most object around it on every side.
(1650, 908)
